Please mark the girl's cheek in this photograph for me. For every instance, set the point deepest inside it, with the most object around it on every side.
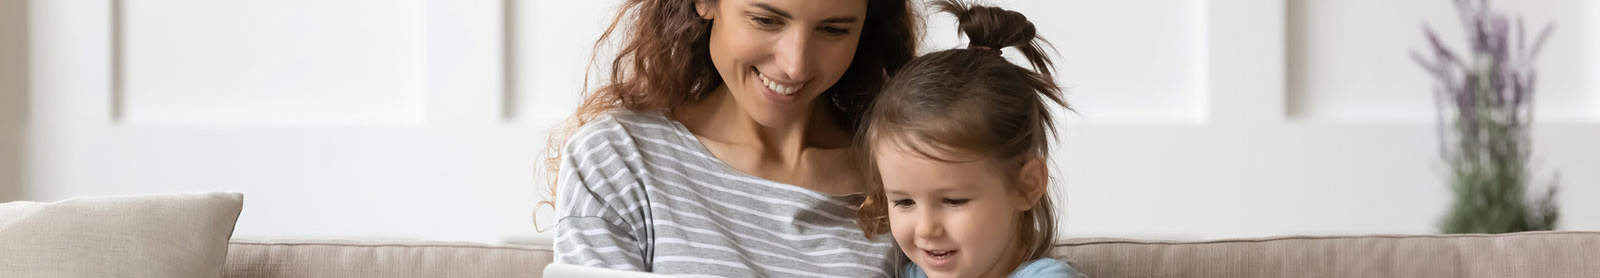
(900, 226)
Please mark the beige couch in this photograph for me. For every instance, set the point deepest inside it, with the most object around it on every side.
(190, 235)
(1533, 254)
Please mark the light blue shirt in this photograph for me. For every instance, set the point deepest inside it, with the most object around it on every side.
(1040, 268)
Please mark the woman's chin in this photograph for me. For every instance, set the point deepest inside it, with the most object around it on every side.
(775, 114)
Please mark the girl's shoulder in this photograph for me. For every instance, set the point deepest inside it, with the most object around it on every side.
(1040, 268)
(1046, 267)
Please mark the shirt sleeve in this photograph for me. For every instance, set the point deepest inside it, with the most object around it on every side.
(1046, 268)
(599, 201)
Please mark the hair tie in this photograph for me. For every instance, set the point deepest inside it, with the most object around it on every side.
(984, 49)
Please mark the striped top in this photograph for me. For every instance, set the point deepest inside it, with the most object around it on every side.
(637, 191)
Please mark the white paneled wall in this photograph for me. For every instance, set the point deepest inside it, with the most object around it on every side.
(342, 119)
(551, 42)
(1156, 67)
(1351, 70)
(303, 62)
(424, 119)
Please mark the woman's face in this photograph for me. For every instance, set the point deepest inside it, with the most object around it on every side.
(777, 56)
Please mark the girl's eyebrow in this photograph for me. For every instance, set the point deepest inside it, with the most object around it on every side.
(934, 192)
(787, 15)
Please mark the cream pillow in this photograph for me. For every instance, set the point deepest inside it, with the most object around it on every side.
(170, 235)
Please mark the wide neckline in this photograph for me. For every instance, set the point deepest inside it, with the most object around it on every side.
(700, 147)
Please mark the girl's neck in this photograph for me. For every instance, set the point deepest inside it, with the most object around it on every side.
(1016, 254)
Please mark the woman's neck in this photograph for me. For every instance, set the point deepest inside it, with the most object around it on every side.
(720, 118)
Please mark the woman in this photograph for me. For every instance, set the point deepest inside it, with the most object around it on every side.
(720, 144)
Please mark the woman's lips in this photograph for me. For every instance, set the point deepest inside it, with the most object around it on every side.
(779, 87)
(766, 89)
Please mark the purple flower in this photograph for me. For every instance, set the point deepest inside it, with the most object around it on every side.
(1485, 99)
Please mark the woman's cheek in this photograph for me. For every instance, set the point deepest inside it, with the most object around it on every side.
(840, 59)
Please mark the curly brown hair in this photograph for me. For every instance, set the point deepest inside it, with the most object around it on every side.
(664, 63)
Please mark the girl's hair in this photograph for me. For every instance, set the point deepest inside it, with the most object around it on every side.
(664, 63)
(966, 105)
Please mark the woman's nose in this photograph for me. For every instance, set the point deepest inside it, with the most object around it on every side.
(794, 55)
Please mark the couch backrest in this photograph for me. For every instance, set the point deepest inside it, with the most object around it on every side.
(335, 258)
(1531, 254)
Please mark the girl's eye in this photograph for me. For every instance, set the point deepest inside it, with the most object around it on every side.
(904, 203)
(956, 202)
(836, 31)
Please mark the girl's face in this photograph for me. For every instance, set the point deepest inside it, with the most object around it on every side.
(954, 219)
(777, 56)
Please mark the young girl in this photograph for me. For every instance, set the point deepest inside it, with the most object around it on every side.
(958, 141)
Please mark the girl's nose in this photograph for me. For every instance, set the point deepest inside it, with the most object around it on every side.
(929, 226)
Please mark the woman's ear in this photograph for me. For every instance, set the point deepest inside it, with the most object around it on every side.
(705, 9)
(1032, 182)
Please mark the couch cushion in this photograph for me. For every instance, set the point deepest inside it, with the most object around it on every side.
(341, 258)
(1529, 254)
(176, 235)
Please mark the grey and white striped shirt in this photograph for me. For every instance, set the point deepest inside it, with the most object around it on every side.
(637, 191)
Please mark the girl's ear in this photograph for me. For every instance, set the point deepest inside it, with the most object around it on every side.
(1032, 182)
(705, 9)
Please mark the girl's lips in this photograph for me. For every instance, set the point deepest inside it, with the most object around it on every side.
(938, 259)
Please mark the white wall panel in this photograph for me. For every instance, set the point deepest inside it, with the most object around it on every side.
(273, 62)
(448, 168)
(552, 43)
(1120, 61)
(1349, 60)
(425, 119)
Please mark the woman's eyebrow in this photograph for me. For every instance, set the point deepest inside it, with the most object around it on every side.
(774, 10)
(842, 19)
(787, 15)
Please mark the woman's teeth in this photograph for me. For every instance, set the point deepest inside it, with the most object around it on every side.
(780, 88)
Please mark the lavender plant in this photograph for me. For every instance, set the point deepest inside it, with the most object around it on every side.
(1485, 110)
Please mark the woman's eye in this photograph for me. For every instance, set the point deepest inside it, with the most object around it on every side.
(904, 203)
(763, 21)
(836, 31)
(956, 202)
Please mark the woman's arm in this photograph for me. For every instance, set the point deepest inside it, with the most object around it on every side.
(598, 201)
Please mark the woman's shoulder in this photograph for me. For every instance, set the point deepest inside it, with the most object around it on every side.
(623, 118)
(608, 143)
(617, 125)
(626, 117)
(626, 132)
